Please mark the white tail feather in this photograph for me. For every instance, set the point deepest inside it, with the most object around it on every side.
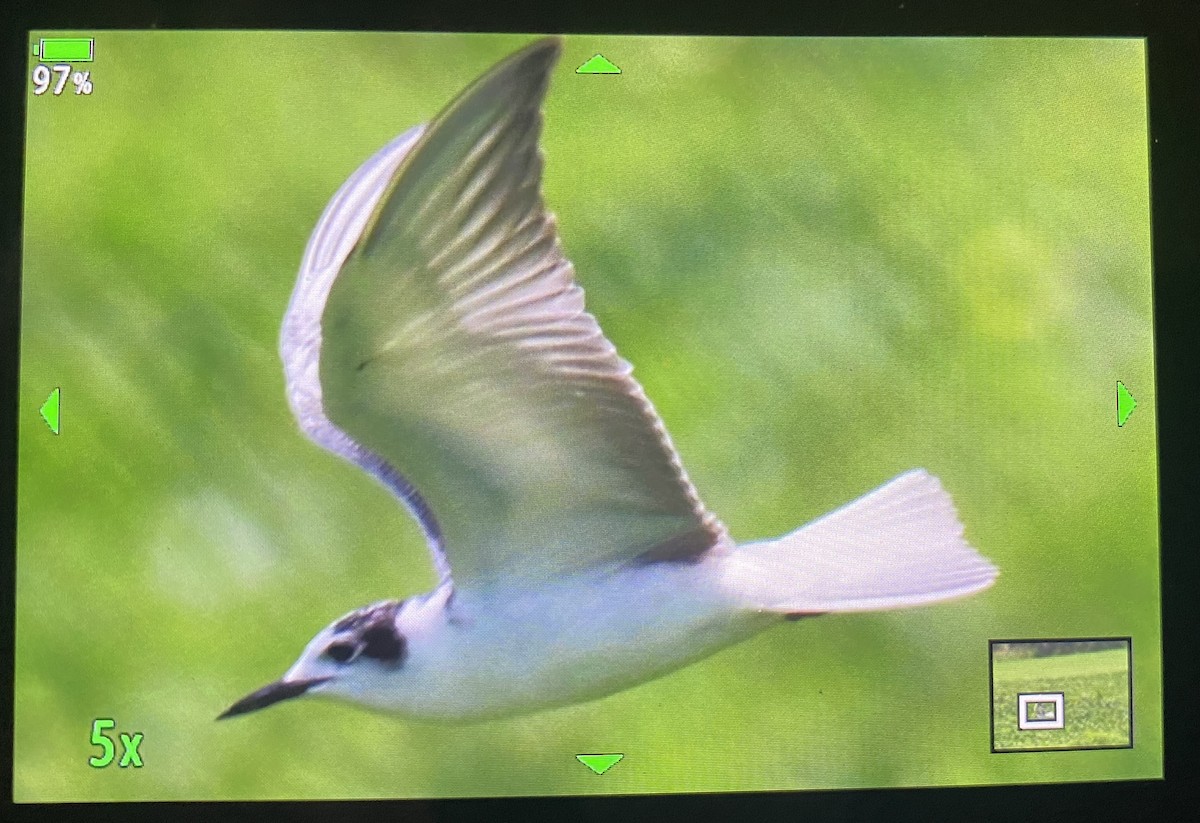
(898, 546)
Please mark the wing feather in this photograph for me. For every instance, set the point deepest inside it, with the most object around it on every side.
(454, 347)
(300, 340)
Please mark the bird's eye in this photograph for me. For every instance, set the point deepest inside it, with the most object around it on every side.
(340, 652)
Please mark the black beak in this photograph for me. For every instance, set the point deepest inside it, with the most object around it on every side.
(269, 694)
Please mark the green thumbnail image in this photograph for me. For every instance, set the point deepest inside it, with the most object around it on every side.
(1094, 683)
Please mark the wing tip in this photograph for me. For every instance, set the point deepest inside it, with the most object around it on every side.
(549, 47)
(537, 59)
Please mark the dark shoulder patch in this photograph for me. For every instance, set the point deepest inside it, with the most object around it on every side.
(688, 547)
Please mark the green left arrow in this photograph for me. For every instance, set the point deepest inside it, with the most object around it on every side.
(50, 409)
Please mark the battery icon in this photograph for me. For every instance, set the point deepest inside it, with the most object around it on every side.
(65, 49)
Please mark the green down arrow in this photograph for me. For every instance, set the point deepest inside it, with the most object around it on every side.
(599, 763)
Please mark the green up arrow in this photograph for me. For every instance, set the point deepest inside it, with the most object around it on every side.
(599, 763)
(50, 410)
(598, 64)
(1125, 403)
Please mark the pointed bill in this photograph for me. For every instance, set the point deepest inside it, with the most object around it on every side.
(271, 694)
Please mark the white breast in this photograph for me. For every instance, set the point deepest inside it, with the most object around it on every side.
(522, 648)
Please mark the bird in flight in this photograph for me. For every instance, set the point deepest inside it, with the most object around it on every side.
(437, 338)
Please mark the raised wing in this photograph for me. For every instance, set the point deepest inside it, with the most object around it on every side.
(455, 356)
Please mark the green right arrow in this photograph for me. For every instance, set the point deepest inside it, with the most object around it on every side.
(1125, 403)
(50, 410)
(599, 763)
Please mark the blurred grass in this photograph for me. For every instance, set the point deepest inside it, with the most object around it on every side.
(1095, 687)
(829, 260)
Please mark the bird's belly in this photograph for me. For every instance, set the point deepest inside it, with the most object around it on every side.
(515, 651)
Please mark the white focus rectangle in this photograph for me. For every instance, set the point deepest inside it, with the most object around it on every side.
(1040, 711)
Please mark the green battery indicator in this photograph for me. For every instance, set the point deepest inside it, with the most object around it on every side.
(65, 49)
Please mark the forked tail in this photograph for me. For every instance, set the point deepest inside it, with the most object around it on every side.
(898, 546)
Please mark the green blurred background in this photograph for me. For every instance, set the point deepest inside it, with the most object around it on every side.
(829, 260)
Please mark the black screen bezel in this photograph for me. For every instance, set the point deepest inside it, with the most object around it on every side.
(1172, 32)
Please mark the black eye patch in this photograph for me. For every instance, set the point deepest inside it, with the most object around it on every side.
(340, 652)
(383, 643)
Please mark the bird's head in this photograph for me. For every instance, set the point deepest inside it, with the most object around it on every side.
(344, 659)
